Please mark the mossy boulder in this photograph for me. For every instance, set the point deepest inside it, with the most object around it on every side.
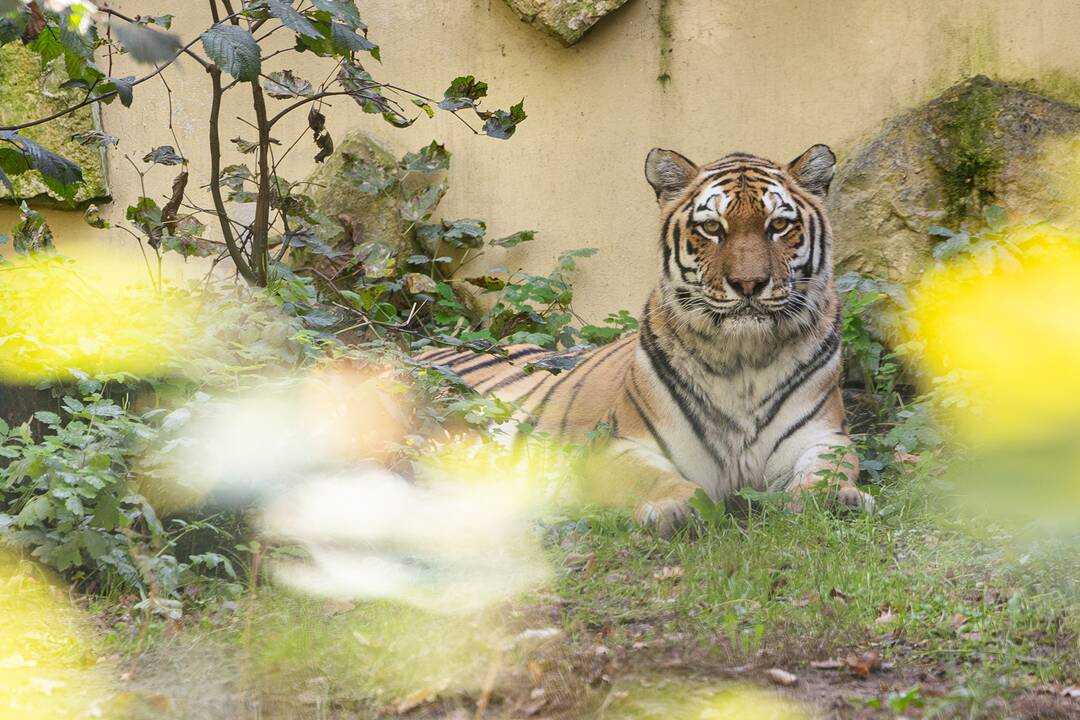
(981, 142)
(567, 20)
(368, 217)
(28, 92)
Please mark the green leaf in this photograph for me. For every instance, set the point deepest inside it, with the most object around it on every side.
(95, 138)
(66, 555)
(123, 87)
(284, 84)
(234, 50)
(367, 177)
(95, 543)
(164, 155)
(342, 10)
(464, 92)
(431, 158)
(419, 206)
(47, 418)
(37, 509)
(32, 233)
(147, 45)
(514, 240)
(487, 282)
(35, 157)
(502, 125)
(290, 18)
(468, 232)
(425, 106)
(362, 88)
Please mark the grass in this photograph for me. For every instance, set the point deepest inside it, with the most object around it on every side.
(963, 617)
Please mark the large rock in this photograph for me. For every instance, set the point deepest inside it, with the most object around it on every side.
(980, 142)
(567, 20)
(26, 93)
(369, 217)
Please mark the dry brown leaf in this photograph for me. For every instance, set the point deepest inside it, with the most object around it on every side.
(865, 663)
(781, 677)
(668, 572)
(887, 616)
(958, 621)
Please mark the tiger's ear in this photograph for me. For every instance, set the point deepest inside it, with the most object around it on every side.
(814, 169)
(668, 172)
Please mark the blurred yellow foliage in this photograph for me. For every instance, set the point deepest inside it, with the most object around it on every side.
(47, 667)
(98, 315)
(1002, 328)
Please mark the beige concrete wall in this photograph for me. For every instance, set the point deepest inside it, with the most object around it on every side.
(767, 76)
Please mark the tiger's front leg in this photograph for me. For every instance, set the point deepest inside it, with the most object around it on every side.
(830, 469)
(629, 474)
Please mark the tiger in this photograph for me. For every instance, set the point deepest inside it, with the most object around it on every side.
(732, 380)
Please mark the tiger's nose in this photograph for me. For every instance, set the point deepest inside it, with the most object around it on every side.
(749, 286)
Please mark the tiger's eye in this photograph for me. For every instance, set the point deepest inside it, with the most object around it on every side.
(712, 227)
(779, 224)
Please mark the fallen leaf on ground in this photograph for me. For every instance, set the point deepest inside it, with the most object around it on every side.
(865, 663)
(668, 572)
(887, 616)
(782, 677)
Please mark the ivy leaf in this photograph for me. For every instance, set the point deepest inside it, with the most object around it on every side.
(164, 155)
(234, 50)
(342, 10)
(290, 18)
(94, 137)
(464, 92)
(419, 206)
(147, 45)
(429, 159)
(501, 124)
(514, 240)
(284, 84)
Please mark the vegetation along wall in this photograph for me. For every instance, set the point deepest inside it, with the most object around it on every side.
(699, 76)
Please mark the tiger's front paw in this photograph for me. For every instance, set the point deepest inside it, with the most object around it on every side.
(845, 494)
(666, 516)
(854, 497)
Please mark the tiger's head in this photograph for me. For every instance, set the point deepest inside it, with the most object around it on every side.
(746, 244)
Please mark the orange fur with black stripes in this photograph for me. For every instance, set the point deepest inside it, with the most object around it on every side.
(732, 380)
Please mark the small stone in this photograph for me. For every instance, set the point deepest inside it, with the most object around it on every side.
(781, 677)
